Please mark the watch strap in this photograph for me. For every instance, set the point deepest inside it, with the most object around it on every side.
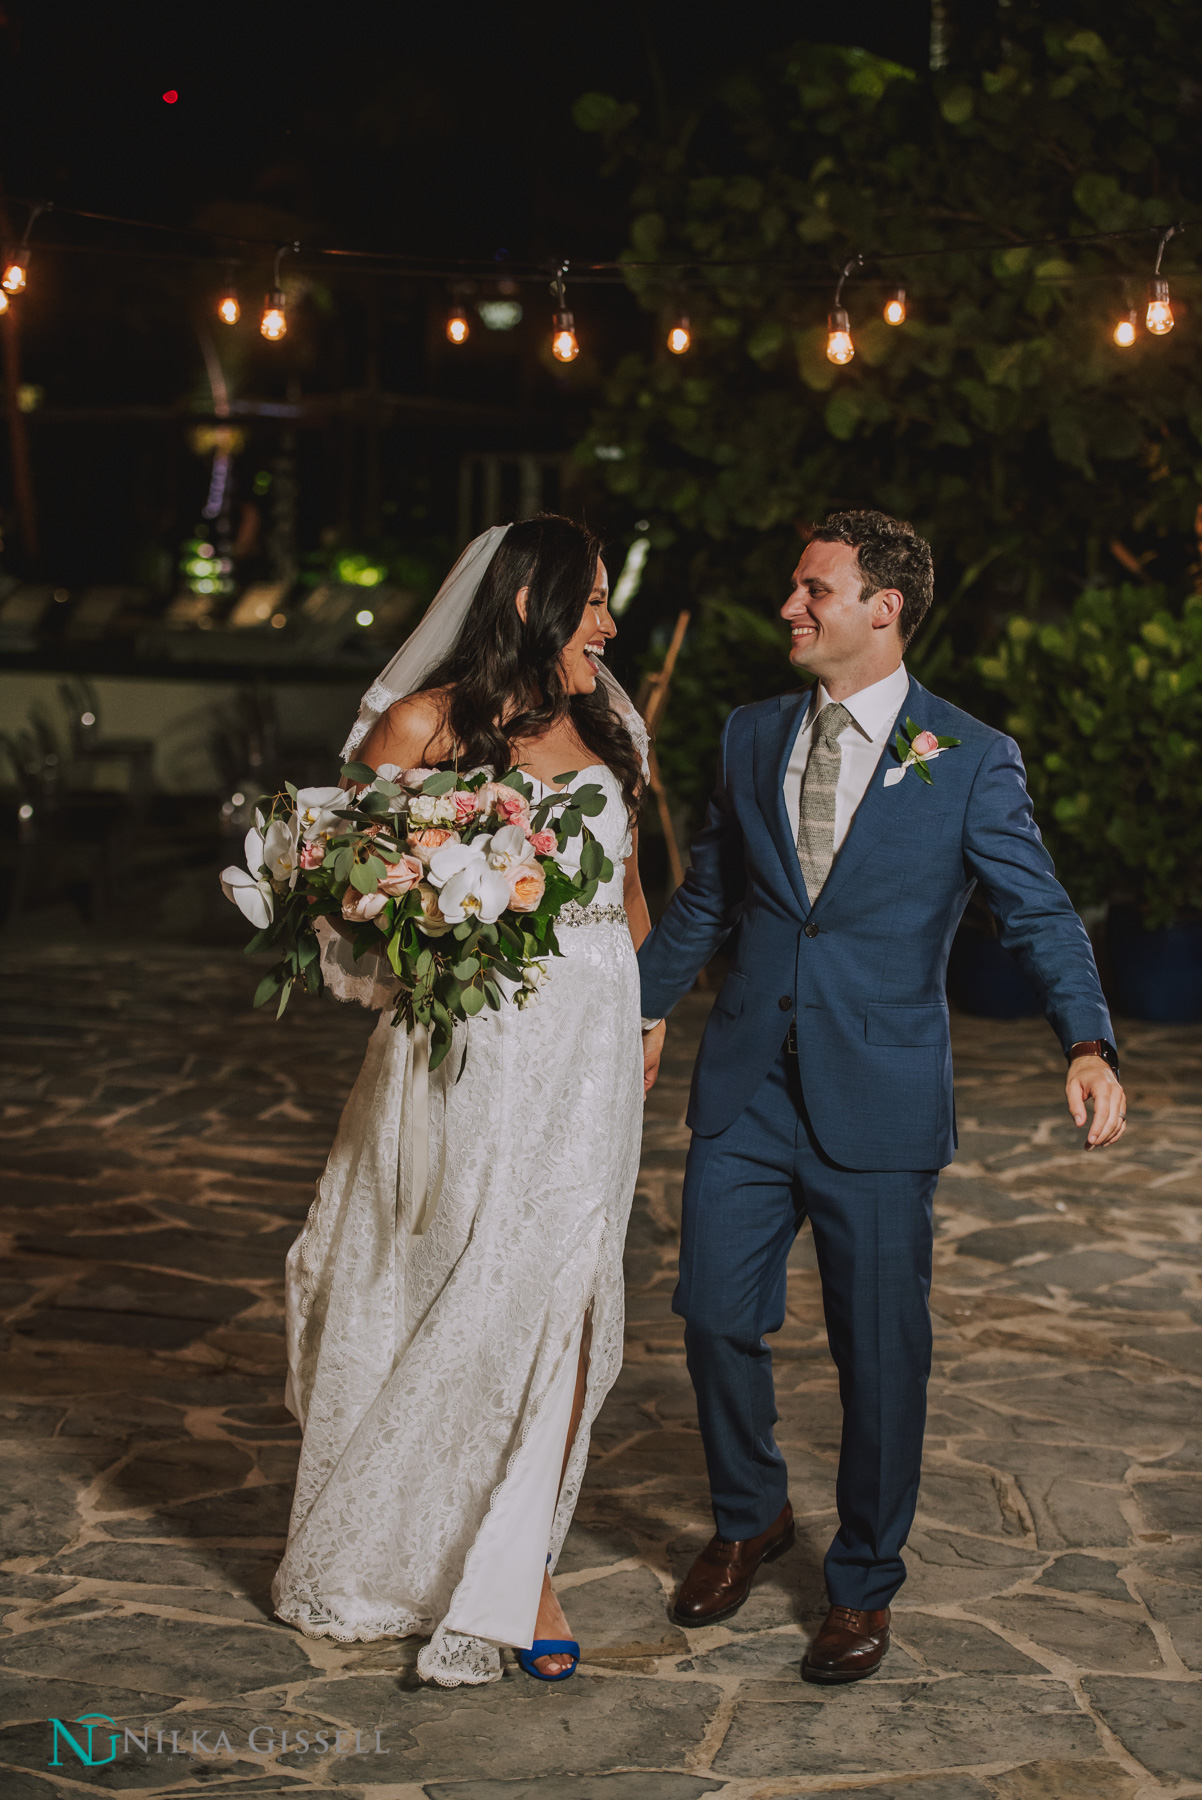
(1096, 1047)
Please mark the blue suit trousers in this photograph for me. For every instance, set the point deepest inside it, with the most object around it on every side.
(747, 1192)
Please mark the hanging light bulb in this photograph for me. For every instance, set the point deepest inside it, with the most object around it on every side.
(895, 307)
(564, 345)
(274, 320)
(1126, 328)
(458, 329)
(1159, 316)
(839, 347)
(13, 279)
(274, 323)
(680, 337)
(229, 310)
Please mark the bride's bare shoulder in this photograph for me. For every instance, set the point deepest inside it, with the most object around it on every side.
(412, 733)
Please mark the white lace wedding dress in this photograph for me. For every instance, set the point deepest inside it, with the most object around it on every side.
(434, 1347)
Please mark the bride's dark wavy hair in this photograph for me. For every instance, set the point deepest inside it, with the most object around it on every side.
(503, 680)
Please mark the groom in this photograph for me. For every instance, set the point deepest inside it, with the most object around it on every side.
(823, 1089)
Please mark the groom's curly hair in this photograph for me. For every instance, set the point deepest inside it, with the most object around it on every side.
(891, 555)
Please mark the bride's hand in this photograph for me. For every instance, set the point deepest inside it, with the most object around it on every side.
(653, 1049)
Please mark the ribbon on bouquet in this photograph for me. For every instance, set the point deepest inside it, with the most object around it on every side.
(423, 1198)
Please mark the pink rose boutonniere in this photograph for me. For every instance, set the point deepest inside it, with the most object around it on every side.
(915, 749)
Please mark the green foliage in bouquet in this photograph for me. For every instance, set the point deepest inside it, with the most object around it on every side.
(1107, 709)
(457, 881)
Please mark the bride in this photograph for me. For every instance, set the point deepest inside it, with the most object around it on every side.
(451, 1338)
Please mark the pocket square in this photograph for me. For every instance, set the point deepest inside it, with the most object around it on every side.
(893, 776)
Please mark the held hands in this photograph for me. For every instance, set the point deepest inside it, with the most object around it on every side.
(653, 1049)
(1090, 1078)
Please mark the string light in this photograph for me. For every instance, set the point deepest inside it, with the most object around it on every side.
(1159, 316)
(895, 307)
(274, 322)
(1126, 328)
(839, 347)
(229, 309)
(458, 329)
(564, 345)
(16, 266)
(3, 301)
(679, 338)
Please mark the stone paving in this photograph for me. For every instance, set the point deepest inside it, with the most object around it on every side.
(161, 1145)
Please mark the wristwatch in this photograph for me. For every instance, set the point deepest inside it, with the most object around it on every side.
(1097, 1047)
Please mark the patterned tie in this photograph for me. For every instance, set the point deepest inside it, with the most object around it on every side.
(816, 825)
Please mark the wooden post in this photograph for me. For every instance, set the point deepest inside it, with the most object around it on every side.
(652, 703)
(18, 432)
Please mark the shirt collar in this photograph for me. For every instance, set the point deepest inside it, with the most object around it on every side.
(874, 708)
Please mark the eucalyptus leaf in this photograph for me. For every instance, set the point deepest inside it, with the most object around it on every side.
(472, 999)
(285, 996)
(363, 878)
(442, 782)
(269, 985)
(358, 772)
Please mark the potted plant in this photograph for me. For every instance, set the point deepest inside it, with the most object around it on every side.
(1106, 706)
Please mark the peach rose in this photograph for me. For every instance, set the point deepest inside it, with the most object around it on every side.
(432, 921)
(359, 908)
(527, 883)
(424, 843)
(543, 843)
(924, 743)
(312, 855)
(401, 877)
(510, 806)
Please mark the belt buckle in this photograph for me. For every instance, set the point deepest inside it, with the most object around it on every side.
(791, 1040)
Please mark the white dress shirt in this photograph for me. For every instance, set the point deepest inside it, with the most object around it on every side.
(873, 713)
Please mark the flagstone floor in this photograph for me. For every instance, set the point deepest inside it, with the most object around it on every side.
(160, 1149)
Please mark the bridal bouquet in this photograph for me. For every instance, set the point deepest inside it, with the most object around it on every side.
(461, 876)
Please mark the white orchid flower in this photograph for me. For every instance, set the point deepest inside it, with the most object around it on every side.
(275, 849)
(317, 810)
(251, 894)
(466, 885)
(506, 849)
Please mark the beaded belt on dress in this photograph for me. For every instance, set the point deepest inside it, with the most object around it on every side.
(575, 914)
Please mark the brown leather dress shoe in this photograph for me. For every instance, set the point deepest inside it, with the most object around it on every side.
(849, 1645)
(720, 1580)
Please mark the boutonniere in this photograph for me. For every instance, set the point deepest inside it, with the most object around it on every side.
(915, 749)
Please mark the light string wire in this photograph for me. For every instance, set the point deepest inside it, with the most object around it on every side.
(446, 268)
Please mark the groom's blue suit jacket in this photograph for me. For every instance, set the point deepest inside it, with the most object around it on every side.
(863, 970)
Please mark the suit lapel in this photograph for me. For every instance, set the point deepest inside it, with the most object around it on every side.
(879, 808)
(775, 735)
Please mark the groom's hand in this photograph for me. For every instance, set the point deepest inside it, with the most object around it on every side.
(1091, 1078)
(653, 1049)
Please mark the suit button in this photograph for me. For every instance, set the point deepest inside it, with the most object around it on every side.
(785, 1003)
(811, 929)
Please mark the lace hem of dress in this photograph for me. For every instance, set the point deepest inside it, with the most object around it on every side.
(452, 1659)
(316, 1619)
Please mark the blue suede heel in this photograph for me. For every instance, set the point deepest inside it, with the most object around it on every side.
(550, 1647)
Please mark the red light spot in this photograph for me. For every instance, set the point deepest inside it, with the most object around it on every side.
(171, 96)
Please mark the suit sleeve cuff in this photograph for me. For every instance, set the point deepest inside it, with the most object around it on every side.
(650, 1024)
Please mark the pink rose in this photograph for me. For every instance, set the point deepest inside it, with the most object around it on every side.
(359, 908)
(510, 807)
(415, 779)
(543, 843)
(401, 877)
(424, 843)
(312, 854)
(465, 806)
(527, 883)
(924, 743)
